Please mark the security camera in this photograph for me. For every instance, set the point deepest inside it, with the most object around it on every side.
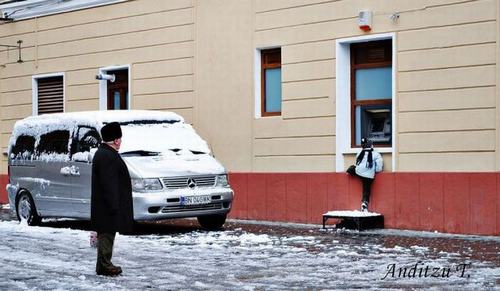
(105, 77)
(394, 16)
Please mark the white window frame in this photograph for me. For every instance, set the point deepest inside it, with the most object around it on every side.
(343, 98)
(103, 86)
(34, 89)
(258, 81)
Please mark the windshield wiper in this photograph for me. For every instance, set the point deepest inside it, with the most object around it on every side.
(176, 150)
(140, 153)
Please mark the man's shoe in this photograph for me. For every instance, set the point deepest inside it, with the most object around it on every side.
(113, 271)
(117, 268)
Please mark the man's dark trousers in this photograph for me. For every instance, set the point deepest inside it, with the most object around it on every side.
(105, 241)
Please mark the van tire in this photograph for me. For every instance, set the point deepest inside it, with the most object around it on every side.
(26, 209)
(212, 222)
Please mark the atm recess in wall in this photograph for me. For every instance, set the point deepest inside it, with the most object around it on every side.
(376, 123)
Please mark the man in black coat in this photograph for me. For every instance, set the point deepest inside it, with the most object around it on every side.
(111, 203)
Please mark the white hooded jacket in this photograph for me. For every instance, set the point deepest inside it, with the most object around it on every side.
(363, 170)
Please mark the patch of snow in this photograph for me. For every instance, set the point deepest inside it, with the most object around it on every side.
(299, 238)
(53, 157)
(346, 253)
(10, 188)
(4, 206)
(26, 155)
(39, 125)
(155, 166)
(172, 138)
(162, 138)
(354, 213)
(420, 248)
(82, 157)
(401, 249)
(43, 183)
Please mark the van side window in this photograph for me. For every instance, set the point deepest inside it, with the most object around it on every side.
(55, 142)
(24, 147)
(88, 138)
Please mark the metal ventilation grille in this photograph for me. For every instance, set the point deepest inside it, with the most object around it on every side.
(182, 182)
(50, 95)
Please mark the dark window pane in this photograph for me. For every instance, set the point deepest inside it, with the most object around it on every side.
(54, 142)
(24, 147)
(88, 138)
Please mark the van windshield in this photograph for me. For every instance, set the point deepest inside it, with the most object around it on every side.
(161, 138)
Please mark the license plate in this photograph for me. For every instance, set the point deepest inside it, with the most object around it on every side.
(195, 200)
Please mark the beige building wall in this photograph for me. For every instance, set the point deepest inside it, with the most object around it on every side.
(445, 82)
(224, 80)
(155, 38)
(197, 58)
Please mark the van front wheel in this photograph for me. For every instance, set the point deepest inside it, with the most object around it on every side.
(26, 210)
(212, 222)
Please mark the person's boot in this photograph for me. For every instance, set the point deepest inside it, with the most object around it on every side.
(364, 206)
(112, 271)
(118, 268)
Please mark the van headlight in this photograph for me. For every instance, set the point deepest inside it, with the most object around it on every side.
(222, 181)
(143, 185)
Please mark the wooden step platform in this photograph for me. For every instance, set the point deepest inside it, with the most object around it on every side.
(355, 219)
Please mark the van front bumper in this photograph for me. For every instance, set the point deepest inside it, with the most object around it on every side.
(168, 204)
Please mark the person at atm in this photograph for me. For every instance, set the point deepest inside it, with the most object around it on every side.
(368, 162)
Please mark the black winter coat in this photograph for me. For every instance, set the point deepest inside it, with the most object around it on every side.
(111, 204)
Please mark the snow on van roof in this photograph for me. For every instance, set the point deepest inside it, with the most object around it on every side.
(41, 124)
(105, 116)
(37, 126)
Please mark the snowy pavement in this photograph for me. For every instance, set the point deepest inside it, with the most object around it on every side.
(178, 255)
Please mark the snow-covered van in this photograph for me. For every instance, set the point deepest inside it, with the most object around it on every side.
(173, 172)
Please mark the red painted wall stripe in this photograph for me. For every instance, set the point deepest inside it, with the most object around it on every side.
(467, 203)
(431, 206)
(4, 179)
(483, 209)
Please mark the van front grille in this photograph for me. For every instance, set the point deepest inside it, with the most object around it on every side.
(189, 182)
(187, 208)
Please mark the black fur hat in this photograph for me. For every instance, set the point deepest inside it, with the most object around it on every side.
(111, 131)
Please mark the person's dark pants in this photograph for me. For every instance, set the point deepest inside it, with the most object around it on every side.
(367, 184)
(367, 188)
(105, 243)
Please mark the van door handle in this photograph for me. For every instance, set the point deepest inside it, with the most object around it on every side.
(74, 171)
